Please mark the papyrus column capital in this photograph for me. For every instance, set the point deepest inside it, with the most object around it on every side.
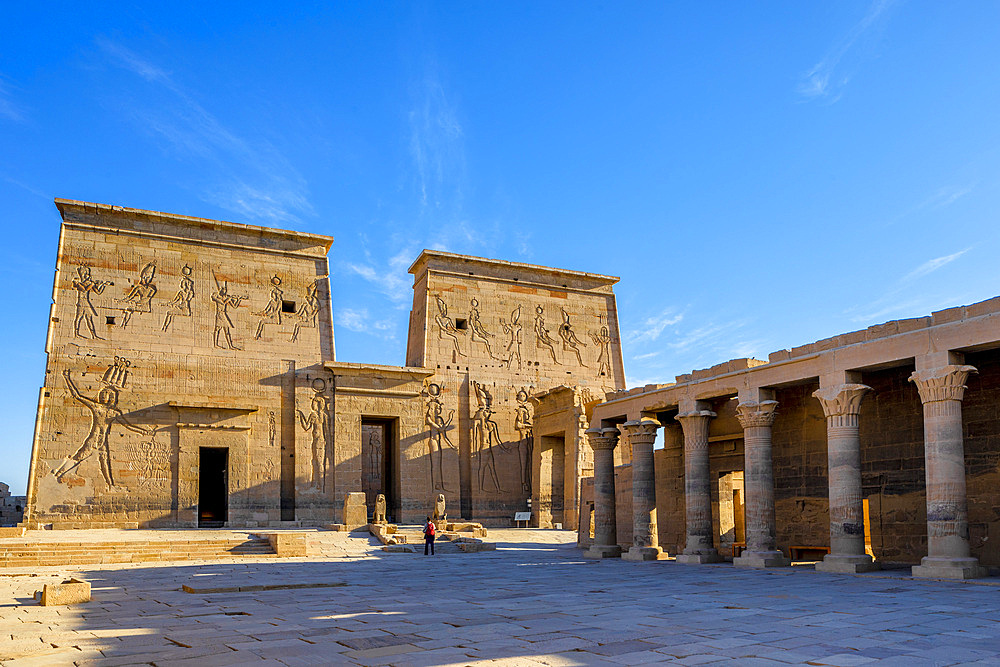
(754, 413)
(946, 383)
(640, 431)
(602, 438)
(693, 418)
(842, 403)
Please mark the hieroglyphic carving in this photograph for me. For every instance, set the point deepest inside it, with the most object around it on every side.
(151, 460)
(140, 297)
(479, 332)
(318, 425)
(309, 313)
(542, 338)
(524, 427)
(181, 305)
(104, 413)
(603, 341)
(485, 434)
(373, 452)
(438, 434)
(513, 331)
(223, 323)
(569, 339)
(85, 311)
(272, 311)
(446, 327)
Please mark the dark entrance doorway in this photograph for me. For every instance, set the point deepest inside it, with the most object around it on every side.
(213, 487)
(378, 475)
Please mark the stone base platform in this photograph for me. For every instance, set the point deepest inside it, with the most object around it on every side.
(640, 554)
(762, 559)
(698, 559)
(838, 564)
(595, 551)
(949, 568)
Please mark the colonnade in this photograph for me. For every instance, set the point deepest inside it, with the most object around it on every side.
(941, 390)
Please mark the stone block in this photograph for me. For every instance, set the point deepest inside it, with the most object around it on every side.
(599, 551)
(837, 564)
(354, 514)
(640, 554)
(286, 544)
(949, 568)
(71, 591)
(398, 549)
(761, 559)
(698, 559)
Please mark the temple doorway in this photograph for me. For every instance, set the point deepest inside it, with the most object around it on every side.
(378, 471)
(732, 517)
(551, 481)
(213, 487)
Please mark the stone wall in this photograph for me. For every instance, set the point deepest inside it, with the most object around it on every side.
(495, 334)
(170, 334)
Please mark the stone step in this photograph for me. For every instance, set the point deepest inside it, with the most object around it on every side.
(13, 554)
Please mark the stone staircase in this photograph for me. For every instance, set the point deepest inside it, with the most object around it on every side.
(30, 553)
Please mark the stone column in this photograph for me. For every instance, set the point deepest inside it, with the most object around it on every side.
(645, 542)
(948, 556)
(603, 441)
(841, 405)
(756, 419)
(700, 547)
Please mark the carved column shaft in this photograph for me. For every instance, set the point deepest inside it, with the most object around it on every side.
(941, 392)
(640, 435)
(756, 419)
(842, 405)
(697, 483)
(603, 442)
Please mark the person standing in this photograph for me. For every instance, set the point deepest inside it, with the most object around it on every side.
(429, 530)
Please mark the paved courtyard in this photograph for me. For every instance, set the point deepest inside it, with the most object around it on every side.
(535, 601)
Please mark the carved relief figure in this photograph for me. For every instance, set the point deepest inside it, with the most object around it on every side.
(513, 331)
(85, 312)
(446, 327)
(223, 323)
(485, 434)
(542, 338)
(438, 438)
(525, 446)
(440, 514)
(569, 339)
(603, 342)
(375, 455)
(181, 305)
(140, 297)
(309, 312)
(272, 311)
(152, 462)
(318, 424)
(104, 412)
(479, 332)
(379, 516)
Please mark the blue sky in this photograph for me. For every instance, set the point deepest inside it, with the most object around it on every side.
(760, 175)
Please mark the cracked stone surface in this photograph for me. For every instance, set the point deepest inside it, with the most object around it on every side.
(534, 601)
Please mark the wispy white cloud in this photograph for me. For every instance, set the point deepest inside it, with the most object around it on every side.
(891, 303)
(651, 329)
(392, 279)
(941, 198)
(826, 79)
(257, 181)
(932, 265)
(8, 109)
(437, 144)
(648, 355)
(360, 321)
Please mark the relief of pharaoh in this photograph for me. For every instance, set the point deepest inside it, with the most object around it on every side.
(104, 413)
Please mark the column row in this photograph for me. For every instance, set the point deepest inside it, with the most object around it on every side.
(948, 552)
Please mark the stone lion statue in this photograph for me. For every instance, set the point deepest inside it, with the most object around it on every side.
(380, 509)
(439, 509)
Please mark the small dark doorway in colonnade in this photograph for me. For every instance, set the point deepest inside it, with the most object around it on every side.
(551, 481)
(732, 517)
(379, 463)
(213, 487)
